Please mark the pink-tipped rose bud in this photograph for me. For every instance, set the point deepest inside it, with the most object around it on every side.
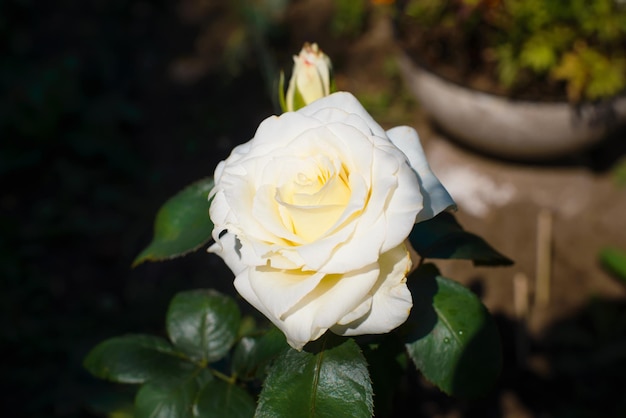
(310, 79)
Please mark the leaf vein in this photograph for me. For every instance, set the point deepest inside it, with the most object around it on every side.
(448, 325)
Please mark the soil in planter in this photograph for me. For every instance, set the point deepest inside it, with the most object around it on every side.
(468, 61)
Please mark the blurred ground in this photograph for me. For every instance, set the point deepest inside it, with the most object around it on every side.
(112, 107)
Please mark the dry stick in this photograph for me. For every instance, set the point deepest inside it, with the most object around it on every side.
(522, 310)
(544, 258)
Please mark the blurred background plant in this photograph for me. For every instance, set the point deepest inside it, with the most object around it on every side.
(570, 48)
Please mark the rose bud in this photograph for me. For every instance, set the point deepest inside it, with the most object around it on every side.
(310, 79)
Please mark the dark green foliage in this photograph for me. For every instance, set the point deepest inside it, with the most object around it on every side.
(452, 338)
(329, 381)
(181, 379)
(203, 324)
(135, 359)
(182, 224)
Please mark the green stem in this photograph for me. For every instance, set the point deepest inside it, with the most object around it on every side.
(228, 379)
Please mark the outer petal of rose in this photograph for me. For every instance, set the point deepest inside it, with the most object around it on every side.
(344, 102)
(228, 248)
(275, 131)
(231, 249)
(334, 297)
(391, 298)
(357, 312)
(280, 290)
(328, 303)
(218, 212)
(242, 285)
(403, 205)
(436, 197)
(230, 245)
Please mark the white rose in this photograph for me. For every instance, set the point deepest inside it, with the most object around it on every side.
(310, 78)
(312, 214)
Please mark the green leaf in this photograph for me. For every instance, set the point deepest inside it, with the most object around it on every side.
(203, 324)
(219, 399)
(508, 66)
(454, 340)
(572, 69)
(135, 359)
(182, 224)
(254, 354)
(538, 54)
(614, 260)
(172, 398)
(332, 381)
(443, 237)
(298, 99)
(281, 92)
(607, 78)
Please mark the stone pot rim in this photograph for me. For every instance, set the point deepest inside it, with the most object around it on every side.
(512, 98)
(501, 126)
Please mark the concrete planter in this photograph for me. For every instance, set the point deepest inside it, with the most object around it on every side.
(519, 130)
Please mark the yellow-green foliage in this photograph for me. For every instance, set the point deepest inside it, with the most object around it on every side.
(589, 73)
(579, 42)
(348, 17)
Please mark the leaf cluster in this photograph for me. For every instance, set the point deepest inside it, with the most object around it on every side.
(214, 363)
(200, 371)
(575, 43)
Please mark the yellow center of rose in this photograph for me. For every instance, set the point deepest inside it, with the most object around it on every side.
(315, 196)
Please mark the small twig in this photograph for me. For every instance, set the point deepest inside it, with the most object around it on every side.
(544, 258)
(222, 376)
(522, 311)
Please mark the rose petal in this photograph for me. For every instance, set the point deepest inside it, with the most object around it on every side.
(436, 197)
(387, 219)
(228, 247)
(335, 297)
(357, 312)
(403, 204)
(279, 290)
(267, 213)
(391, 298)
(344, 103)
(331, 298)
